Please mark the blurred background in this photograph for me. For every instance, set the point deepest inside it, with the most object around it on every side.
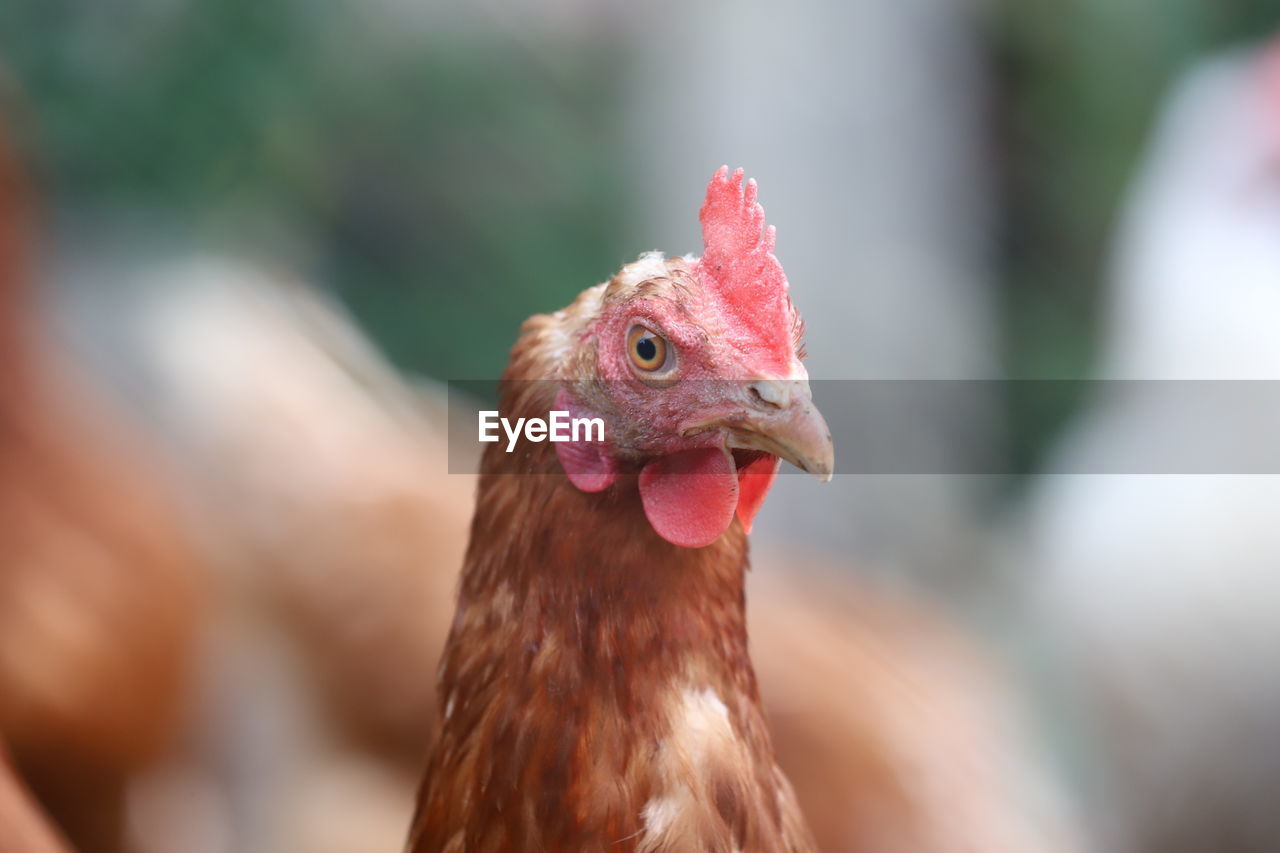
(262, 233)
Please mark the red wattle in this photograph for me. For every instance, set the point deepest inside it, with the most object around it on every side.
(754, 480)
(690, 497)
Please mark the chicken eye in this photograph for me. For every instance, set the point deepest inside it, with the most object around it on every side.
(648, 350)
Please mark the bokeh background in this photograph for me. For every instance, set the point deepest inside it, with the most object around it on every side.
(944, 176)
(949, 182)
(449, 169)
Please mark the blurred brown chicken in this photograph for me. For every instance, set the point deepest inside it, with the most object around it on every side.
(323, 479)
(23, 829)
(98, 597)
(322, 485)
(897, 730)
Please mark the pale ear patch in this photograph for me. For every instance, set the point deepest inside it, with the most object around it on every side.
(649, 265)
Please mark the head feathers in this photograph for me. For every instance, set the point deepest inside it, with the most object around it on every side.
(738, 267)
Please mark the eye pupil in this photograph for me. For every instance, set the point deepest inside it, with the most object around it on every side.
(646, 349)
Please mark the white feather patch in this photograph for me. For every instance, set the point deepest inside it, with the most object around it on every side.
(700, 743)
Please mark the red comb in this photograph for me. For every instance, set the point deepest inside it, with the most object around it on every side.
(738, 265)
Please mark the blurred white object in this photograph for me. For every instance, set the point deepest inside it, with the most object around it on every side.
(1198, 254)
(1162, 592)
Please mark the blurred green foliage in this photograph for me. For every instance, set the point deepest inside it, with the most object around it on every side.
(452, 185)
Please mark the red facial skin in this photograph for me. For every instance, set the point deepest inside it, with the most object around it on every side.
(691, 484)
(727, 320)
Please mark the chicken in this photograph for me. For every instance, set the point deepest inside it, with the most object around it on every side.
(596, 687)
(888, 722)
(890, 726)
(1157, 583)
(99, 591)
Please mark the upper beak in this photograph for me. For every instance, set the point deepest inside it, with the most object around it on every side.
(779, 417)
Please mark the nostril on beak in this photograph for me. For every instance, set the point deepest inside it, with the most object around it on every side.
(770, 394)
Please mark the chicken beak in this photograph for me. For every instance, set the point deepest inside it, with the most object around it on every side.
(779, 417)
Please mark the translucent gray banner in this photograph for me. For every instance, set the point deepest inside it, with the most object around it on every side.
(932, 427)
